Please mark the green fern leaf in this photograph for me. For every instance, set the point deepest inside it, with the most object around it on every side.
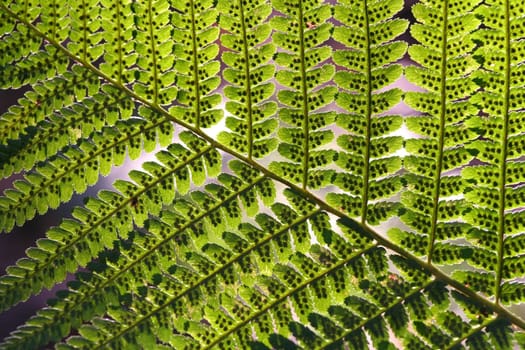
(195, 64)
(53, 182)
(445, 37)
(300, 32)
(248, 75)
(497, 194)
(367, 157)
(116, 18)
(92, 223)
(256, 234)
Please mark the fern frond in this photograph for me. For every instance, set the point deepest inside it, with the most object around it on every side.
(17, 42)
(195, 33)
(189, 221)
(34, 67)
(84, 30)
(154, 74)
(35, 107)
(117, 20)
(300, 31)
(231, 241)
(75, 168)
(241, 263)
(494, 188)
(369, 167)
(62, 127)
(55, 20)
(249, 75)
(75, 242)
(394, 302)
(445, 56)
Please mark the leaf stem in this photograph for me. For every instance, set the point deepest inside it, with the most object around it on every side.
(248, 81)
(153, 55)
(197, 101)
(441, 139)
(304, 92)
(368, 116)
(503, 159)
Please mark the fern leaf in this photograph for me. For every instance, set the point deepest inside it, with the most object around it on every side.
(17, 42)
(78, 241)
(34, 67)
(249, 76)
(55, 20)
(154, 76)
(84, 30)
(76, 168)
(300, 32)
(205, 266)
(231, 241)
(446, 38)
(64, 128)
(500, 150)
(369, 69)
(195, 65)
(119, 54)
(38, 104)
(187, 223)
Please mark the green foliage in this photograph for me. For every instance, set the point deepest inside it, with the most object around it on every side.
(446, 37)
(300, 33)
(268, 234)
(369, 169)
(249, 73)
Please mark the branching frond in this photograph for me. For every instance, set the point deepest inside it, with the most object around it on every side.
(259, 237)
(367, 157)
(76, 242)
(300, 33)
(249, 75)
(445, 56)
(496, 193)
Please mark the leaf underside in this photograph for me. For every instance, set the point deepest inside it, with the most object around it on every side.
(279, 159)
